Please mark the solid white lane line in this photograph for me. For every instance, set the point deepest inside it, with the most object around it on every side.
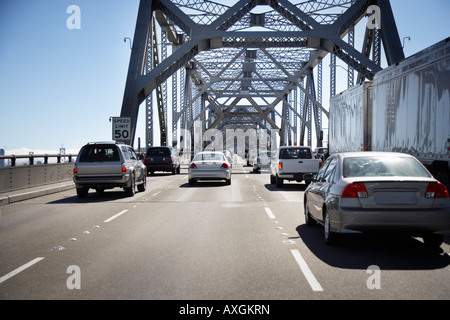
(116, 215)
(269, 213)
(20, 269)
(306, 271)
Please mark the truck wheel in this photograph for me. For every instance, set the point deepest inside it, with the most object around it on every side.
(82, 192)
(279, 182)
(272, 179)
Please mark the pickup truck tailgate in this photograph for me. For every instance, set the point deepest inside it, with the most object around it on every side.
(298, 165)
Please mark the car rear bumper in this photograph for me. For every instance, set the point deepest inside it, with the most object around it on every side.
(106, 182)
(161, 167)
(210, 174)
(401, 221)
(297, 176)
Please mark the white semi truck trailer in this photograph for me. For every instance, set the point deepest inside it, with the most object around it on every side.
(406, 108)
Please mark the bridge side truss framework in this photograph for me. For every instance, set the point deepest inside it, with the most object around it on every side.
(257, 64)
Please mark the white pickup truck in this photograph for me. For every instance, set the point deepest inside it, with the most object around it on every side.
(291, 163)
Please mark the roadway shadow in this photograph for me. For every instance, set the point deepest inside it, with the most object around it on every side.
(294, 186)
(205, 184)
(359, 251)
(94, 197)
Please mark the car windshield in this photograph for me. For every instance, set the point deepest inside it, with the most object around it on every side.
(209, 156)
(158, 152)
(295, 153)
(383, 166)
(99, 153)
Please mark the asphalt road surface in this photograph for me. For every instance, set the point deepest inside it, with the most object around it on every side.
(245, 241)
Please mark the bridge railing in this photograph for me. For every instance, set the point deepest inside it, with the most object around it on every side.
(32, 170)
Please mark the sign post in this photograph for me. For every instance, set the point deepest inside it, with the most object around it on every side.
(121, 129)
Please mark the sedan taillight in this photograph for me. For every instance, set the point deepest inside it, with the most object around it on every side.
(355, 190)
(193, 166)
(224, 166)
(436, 190)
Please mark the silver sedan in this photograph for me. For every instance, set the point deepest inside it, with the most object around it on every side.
(377, 191)
(209, 165)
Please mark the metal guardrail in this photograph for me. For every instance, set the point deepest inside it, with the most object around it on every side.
(32, 157)
(31, 173)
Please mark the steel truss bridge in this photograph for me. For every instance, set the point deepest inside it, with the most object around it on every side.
(249, 64)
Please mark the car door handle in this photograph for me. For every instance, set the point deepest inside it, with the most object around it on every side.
(300, 162)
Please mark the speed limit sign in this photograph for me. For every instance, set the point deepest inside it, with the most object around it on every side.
(121, 128)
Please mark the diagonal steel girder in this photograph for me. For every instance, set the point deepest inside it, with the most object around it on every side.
(307, 32)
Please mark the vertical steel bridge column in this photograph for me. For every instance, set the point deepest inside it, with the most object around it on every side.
(131, 99)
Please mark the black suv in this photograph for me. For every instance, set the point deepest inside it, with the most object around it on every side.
(162, 159)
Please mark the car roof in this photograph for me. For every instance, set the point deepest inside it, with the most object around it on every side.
(295, 147)
(373, 154)
(221, 152)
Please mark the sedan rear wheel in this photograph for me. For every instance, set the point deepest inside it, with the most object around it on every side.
(329, 236)
(308, 220)
(433, 240)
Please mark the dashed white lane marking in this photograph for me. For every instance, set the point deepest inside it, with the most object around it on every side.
(20, 269)
(116, 215)
(315, 285)
(269, 213)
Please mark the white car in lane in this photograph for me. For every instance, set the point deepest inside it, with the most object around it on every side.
(209, 165)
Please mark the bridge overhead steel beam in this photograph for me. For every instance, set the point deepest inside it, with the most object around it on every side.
(235, 60)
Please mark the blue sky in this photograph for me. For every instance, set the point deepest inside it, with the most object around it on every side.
(58, 87)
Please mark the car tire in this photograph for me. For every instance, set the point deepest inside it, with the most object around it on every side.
(329, 236)
(272, 179)
(82, 192)
(228, 182)
(179, 170)
(141, 187)
(279, 182)
(191, 182)
(433, 240)
(309, 221)
(130, 191)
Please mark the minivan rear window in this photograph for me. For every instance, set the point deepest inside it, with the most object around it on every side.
(99, 153)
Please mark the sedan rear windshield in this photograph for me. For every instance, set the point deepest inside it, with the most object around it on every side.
(99, 153)
(209, 156)
(383, 166)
